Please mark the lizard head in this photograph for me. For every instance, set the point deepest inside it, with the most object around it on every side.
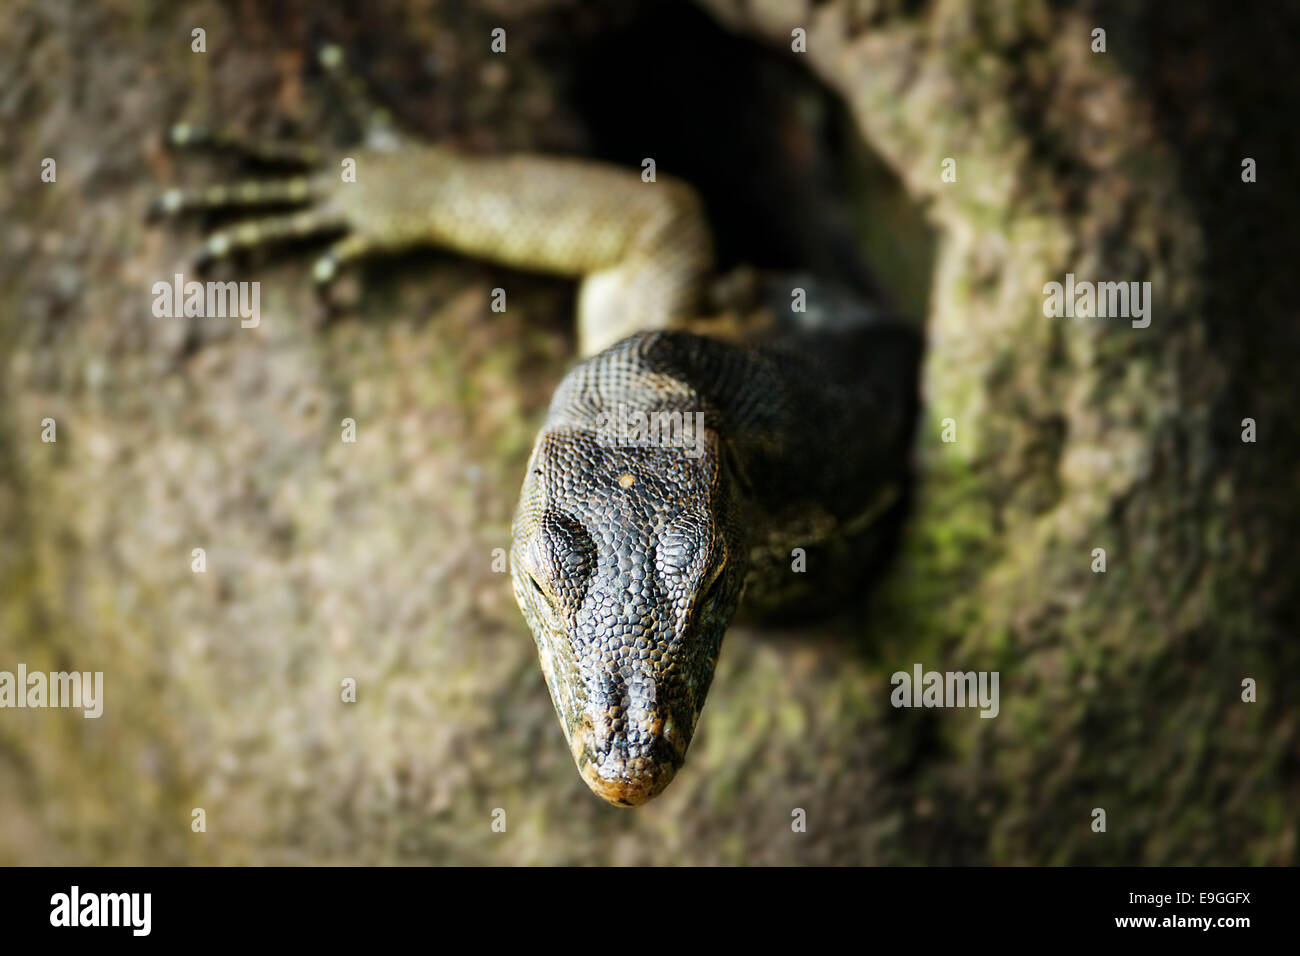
(627, 562)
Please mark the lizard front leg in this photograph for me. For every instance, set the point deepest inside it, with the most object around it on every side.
(641, 250)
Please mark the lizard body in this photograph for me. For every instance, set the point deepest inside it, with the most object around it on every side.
(629, 558)
(630, 552)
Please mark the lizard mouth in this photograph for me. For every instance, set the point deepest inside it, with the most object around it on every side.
(624, 786)
(624, 773)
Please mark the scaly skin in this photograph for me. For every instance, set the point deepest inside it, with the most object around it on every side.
(629, 556)
(641, 250)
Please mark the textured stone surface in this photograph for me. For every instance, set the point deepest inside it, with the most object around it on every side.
(374, 560)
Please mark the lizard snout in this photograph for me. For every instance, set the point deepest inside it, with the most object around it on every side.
(630, 750)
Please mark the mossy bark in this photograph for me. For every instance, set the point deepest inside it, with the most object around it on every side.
(1122, 690)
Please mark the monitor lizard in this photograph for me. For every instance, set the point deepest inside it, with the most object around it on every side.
(758, 457)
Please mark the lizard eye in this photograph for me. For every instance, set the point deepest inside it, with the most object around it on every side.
(714, 588)
(544, 599)
(539, 590)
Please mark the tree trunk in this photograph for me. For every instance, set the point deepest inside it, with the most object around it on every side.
(376, 561)
(1121, 690)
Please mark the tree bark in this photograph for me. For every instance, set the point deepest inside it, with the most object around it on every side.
(1122, 690)
(375, 561)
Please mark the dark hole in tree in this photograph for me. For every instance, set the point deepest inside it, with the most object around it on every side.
(788, 181)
